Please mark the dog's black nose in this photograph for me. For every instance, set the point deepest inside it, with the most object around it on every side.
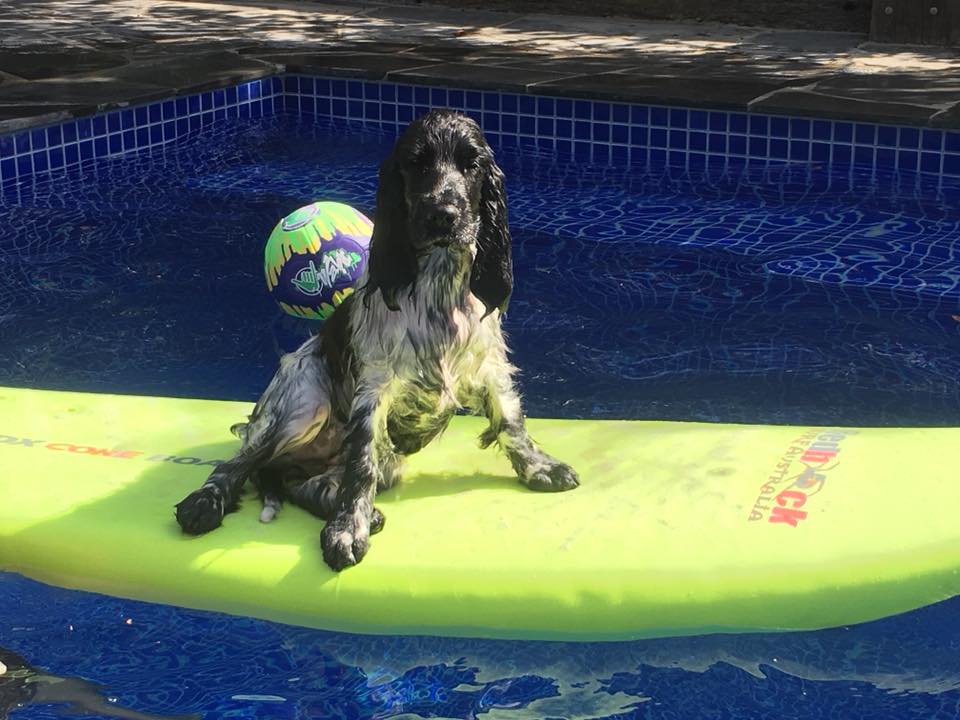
(442, 217)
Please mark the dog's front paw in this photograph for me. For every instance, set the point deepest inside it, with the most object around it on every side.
(345, 540)
(552, 477)
(201, 511)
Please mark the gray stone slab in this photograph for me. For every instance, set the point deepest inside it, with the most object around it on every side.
(14, 118)
(190, 71)
(346, 64)
(476, 76)
(642, 87)
(38, 63)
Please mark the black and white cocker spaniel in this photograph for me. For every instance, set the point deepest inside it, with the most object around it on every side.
(420, 340)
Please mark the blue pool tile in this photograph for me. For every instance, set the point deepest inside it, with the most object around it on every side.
(619, 154)
(508, 103)
(737, 145)
(678, 139)
(758, 146)
(932, 140)
(130, 138)
(822, 130)
(697, 141)
(951, 142)
(601, 153)
(544, 144)
(907, 160)
(508, 141)
(255, 89)
(338, 107)
(778, 148)
(71, 154)
(582, 150)
(620, 134)
(473, 100)
(842, 154)
(371, 91)
(658, 137)
(638, 155)
(564, 108)
(582, 130)
(545, 126)
(843, 132)
(438, 98)
(388, 93)
(545, 106)
(759, 125)
(620, 113)
(41, 162)
(799, 150)
(8, 168)
(84, 128)
(290, 84)
(113, 122)
(21, 143)
(909, 138)
(930, 162)
(779, 127)
(696, 161)
(142, 137)
(865, 134)
(193, 104)
(528, 125)
(698, 120)
(404, 113)
(564, 128)
(491, 101)
(508, 123)
(676, 158)
(54, 138)
(155, 112)
(491, 122)
(100, 148)
(219, 101)
(243, 94)
(195, 124)
(404, 94)
(601, 111)
(526, 105)
(863, 155)
(799, 129)
(156, 134)
(718, 143)
(886, 158)
(951, 163)
(321, 87)
(819, 152)
(355, 109)
(38, 139)
(640, 115)
(678, 118)
(371, 111)
(338, 89)
(181, 104)
(56, 157)
(322, 108)
(601, 132)
(718, 121)
(657, 157)
(115, 143)
(887, 136)
(737, 123)
(355, 89)
(639, 135)
(658, 116)
(170, 129)
(24, 165)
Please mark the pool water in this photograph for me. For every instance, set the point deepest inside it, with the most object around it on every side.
(780, 294)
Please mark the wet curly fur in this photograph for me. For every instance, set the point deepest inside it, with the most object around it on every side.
(418, 342)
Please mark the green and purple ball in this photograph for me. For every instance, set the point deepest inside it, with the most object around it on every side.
(315, 257)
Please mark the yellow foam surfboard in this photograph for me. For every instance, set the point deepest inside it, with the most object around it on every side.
(677, 528)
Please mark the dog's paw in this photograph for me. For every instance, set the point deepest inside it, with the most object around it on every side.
(552, 477)
(201, 511)
(377, 521)
(345, 540)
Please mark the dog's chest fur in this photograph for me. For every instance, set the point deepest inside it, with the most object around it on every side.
(435, 347)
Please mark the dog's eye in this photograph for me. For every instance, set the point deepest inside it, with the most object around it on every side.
(468, 160)
(421, 159)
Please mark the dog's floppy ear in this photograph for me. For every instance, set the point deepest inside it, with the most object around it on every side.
(392, 264)
(491, 278)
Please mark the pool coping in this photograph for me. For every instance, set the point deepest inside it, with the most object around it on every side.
(201, 45)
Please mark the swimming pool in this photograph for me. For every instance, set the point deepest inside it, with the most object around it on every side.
(758, 285)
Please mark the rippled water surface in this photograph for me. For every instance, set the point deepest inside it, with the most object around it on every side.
(771, 295)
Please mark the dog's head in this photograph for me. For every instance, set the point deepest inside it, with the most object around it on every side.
(441, 190)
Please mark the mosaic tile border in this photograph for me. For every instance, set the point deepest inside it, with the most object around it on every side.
(594, 130)
(604, 131)
(39, 150)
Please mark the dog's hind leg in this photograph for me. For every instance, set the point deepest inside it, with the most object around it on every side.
(292, 412)
(318, 496)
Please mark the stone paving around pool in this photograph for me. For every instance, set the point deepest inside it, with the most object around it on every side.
(69, 58)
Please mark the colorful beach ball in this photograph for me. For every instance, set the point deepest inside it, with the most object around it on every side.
(315, 257)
